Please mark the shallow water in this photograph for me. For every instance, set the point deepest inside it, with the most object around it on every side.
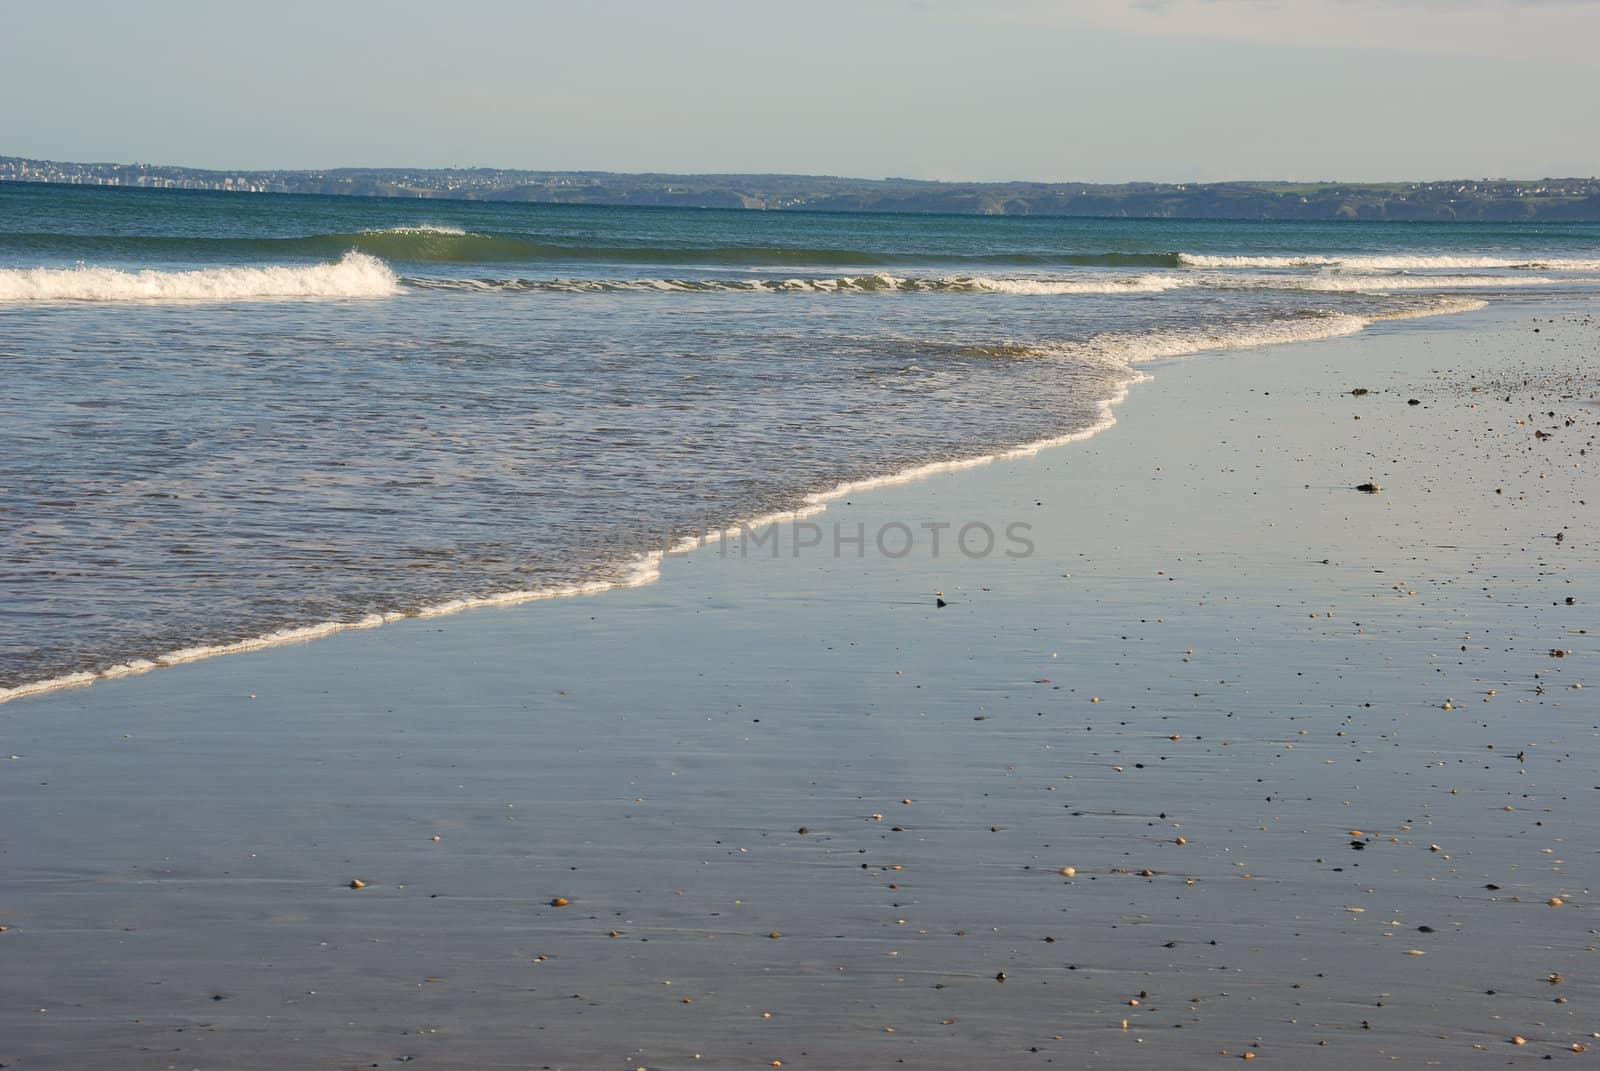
(227, 416)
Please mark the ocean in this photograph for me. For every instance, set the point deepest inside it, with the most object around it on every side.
(231, 420)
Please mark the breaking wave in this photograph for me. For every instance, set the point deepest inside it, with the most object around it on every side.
(884, 283)
(1369, 284)
(429, 243)
(1303, 326)
(846, 284)
(1354, 262)
(356, 275)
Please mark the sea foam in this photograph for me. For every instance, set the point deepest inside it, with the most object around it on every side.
(1369, 284)
(1355, 262)
(423, 228)
(356, 275)
(874, 283)
(1021, 286)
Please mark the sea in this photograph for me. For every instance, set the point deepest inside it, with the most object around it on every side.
(230, 420)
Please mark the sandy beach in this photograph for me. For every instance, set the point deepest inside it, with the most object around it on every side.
(1238, 762)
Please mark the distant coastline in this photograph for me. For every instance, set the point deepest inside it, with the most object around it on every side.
(1567, 200)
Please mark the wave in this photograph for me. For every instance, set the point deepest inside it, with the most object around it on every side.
(1354, 262)
(1121, 350)
(1303, 326)
(846, 284)
(882, 282)
(431, 243)
(361, 275)
(438, 243)
(421, 228)
(356, 275)
(1367, 284)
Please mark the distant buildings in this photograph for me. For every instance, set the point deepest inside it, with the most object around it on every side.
(1568, 200)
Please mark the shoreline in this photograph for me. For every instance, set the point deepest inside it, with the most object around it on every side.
(1241, 760)
(646, 569)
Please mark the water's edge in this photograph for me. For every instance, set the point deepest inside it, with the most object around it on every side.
(646, 568)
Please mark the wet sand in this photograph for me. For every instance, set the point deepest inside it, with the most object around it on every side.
(1240, 762)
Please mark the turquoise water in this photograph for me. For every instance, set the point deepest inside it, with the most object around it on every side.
(225, 416)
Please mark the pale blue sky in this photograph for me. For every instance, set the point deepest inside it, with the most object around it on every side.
(1093, 90)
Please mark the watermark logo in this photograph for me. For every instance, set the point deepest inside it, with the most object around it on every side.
(973, 540)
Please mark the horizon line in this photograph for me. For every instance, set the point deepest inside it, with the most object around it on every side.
(806, 175)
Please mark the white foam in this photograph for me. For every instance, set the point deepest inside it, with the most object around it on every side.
(1186, 342)
(818, 501)
(1356, 262)
(1134, 284)
(644, 571)
(356, 275)
(1379, 283)
(422, 228)
(844, 284)
(1124, 350)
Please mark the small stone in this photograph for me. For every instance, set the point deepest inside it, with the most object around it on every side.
(1068, 871)
(357, 883)
(559, 901)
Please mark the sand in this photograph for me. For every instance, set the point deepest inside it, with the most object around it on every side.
(1325, 792)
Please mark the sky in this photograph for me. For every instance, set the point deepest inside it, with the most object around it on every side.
(1072, 90)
